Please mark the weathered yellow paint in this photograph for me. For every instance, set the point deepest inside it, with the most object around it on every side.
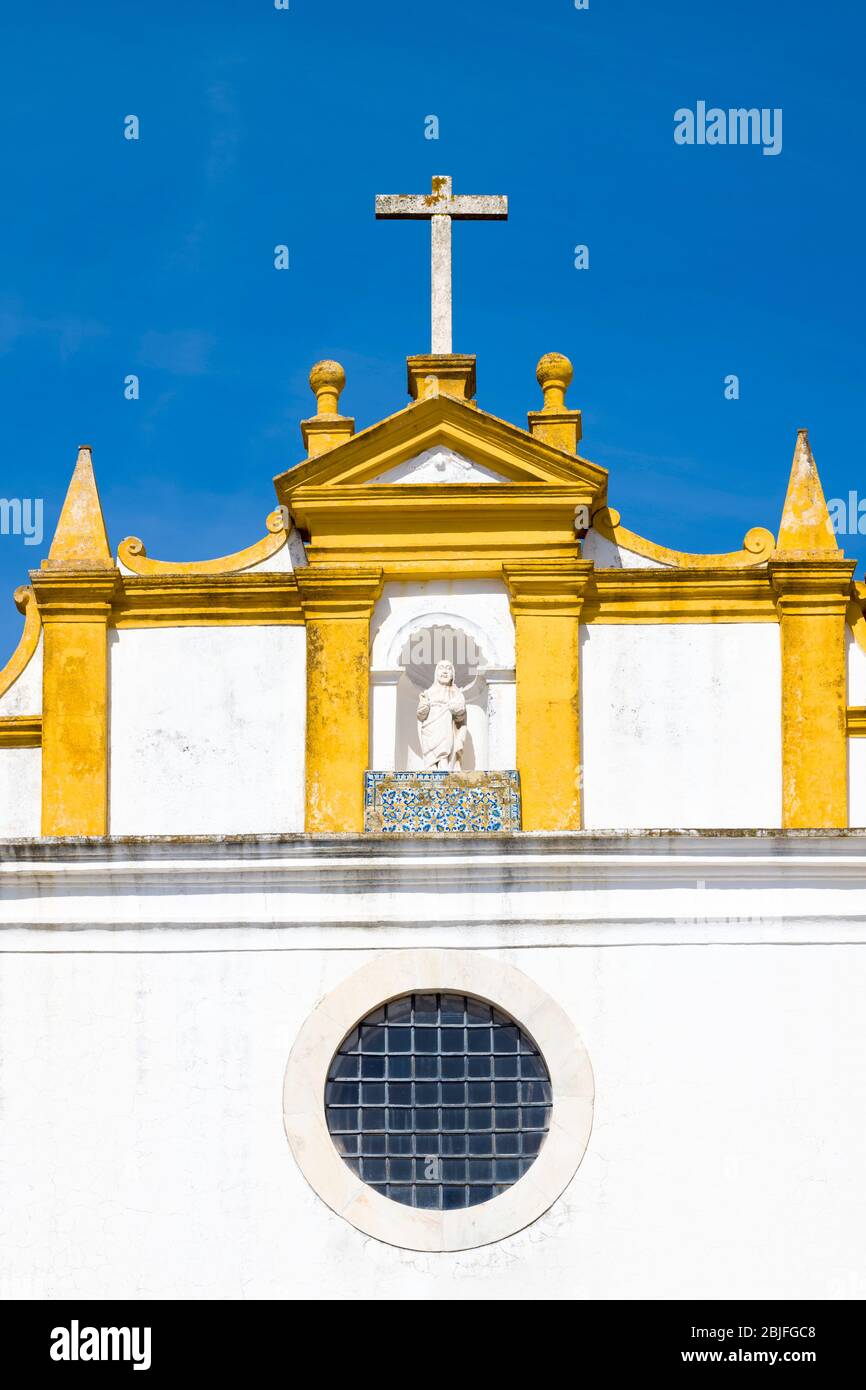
(80, 541)
(812, 581)
(132, 553)
(75, 590)
(75, 608)
(758, 546)
(441, 374)
(546, 601)
(338, 603)
(25, 602)
(812, 600)
(806, 527)
(327, 428)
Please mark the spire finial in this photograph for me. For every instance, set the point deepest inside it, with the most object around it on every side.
(806, 527)
(81, 541)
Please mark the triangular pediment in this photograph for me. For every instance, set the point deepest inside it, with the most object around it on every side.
(440, 427)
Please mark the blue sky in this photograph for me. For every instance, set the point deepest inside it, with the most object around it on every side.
(260, 127)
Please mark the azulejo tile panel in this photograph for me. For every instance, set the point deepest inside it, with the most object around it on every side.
(425, 803)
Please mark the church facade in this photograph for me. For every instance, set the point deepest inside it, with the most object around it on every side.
(452, 893)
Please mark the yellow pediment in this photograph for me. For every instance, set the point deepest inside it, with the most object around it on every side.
(442, 422)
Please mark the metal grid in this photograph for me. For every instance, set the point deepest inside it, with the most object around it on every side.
(438, 1101)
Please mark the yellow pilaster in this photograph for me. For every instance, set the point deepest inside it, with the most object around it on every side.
(74, 592)
(546, 600)
(338, 603)
(812, 582)
(811, 599)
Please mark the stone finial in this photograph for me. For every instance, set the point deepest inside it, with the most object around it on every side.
(554, 424)
(806, 528)
(327, 428)
(328, 379)
(555, 374)
(81, 541)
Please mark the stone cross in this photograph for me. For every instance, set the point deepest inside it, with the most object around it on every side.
(440, 207)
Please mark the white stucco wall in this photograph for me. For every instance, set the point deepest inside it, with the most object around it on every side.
(681, 725)
(20, 791)
(25, 696)
(143, 1152)
(207, 730)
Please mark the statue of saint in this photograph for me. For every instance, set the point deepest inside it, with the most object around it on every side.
(442, 717)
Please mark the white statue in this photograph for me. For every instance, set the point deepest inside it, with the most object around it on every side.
(442, 717)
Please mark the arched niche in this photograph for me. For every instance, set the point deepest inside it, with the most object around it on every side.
(403, 657)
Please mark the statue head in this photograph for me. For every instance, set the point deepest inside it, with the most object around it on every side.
(444, 674)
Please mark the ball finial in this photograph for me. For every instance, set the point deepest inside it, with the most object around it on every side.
(327, 379)
(554, 373)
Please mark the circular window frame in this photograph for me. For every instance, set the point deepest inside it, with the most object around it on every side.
(438, 971)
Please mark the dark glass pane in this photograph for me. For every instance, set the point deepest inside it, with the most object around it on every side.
(453, 1068)
(399, 1039)
(344, 1067)
(373, 1093)
(374, 1169)
(426, 1039)
(373, 1039)
(426, 1068)
(427, 1197)
(505, 1066)
(372, 1145)
(477, 1012)
(426, 1093)
(505, 1093)
(400, 1010)
(478, 1066)
(400, 1169)
(426, 1008)
(400, 1194)
(504, 1040)
(453, 1008)
(478, 1040)
(342, 1093)
(453, 1119)
(454, 1144)
(400, 1093)
(481, 1144)
(452, 1039)
(372, 1119)
(507, 1119)
(453, 1197)
(453, 1093)
(372, 1067)
(400, 1068)
(480, 1093)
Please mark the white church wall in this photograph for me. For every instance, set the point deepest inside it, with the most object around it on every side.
(20, 791)
(607, 555)
(145, 1155)
(681, 725)
(207, 730)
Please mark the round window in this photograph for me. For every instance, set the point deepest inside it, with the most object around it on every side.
(438, 1101)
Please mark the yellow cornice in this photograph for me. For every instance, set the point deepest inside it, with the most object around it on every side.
(25, 601)
(339, 591)
(457, 425)
(541, 588)
(680, 596)
(75, 596)
(758, 546)
(21, 731)
(395, 522)
(208, 600)
(856, 721)
(811, 585)
(132, 554)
